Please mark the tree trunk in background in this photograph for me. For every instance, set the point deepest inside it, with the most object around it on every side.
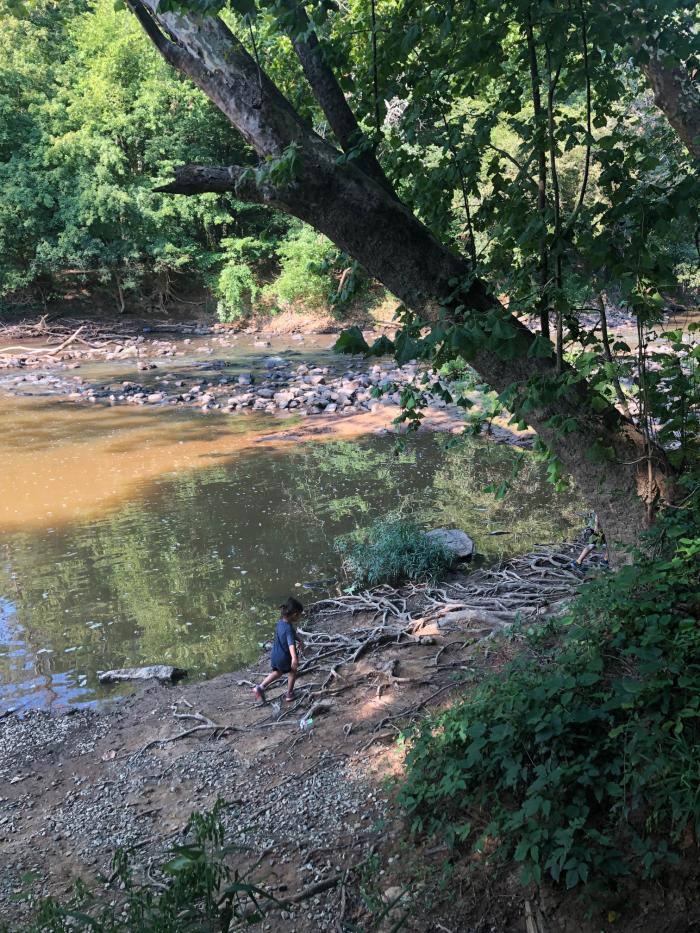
(364, 219)
(677, 95)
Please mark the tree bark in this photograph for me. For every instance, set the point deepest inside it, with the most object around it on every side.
(331, 99)
(543, 301)
(365, 220)
(677, 95)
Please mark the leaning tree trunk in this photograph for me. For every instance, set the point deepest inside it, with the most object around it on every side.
(677, 95)
(362, 217)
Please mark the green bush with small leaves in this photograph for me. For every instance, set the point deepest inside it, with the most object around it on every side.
(236, 289)
(203, 892)
(580, 759)
(304, 276)
(391, 552)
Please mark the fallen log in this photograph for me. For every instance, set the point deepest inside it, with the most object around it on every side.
(162, 672)
(46, 351)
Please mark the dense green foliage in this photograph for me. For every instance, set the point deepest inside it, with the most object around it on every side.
(304, 259)
(236, 288)
(97, 117)
(203, 892)
(580, 758)
(392, 551)
(91, 119)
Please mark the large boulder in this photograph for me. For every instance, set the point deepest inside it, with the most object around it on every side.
(454, 540)
(283, 399)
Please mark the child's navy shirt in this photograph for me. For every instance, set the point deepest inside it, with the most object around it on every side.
(281, 659)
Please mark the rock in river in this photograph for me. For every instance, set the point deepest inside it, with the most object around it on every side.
(454, 540)
(162, 672)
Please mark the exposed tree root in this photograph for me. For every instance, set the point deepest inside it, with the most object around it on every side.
(525, 588)
(485, 603)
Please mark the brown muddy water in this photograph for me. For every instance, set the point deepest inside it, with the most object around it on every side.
(135, 536)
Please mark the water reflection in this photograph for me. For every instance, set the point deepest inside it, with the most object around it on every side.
(188, 568)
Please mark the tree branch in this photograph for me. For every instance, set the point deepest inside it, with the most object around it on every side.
(589, 130)
(331, 99)
(539, 145)
(220, 179)
(217, 62)
(677, 94)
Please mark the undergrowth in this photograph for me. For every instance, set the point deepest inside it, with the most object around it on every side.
(391, 551)
(580, 759)
(203, 892)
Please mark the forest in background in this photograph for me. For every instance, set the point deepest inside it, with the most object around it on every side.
(92, 119)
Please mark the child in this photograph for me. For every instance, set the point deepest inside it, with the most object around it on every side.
(284, 659)
(595, 537)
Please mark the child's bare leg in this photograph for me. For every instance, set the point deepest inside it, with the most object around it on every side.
(291, 680)
(259, 689)
(270, 679)
(584, 553)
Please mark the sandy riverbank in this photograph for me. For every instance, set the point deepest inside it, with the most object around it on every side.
(312, 807)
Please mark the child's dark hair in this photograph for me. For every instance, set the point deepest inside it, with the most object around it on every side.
(291, 606)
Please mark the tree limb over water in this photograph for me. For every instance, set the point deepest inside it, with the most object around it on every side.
(349, 202)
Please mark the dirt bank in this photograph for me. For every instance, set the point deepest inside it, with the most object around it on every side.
(313, 812)
(312, 807)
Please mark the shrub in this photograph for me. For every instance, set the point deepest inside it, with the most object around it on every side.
(458, 370)
(392, 551)
(580, 759)
(236, 289)
(203, 893)
(304, 258)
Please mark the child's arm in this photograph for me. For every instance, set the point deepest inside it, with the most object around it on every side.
(295, 659)
(297, 639)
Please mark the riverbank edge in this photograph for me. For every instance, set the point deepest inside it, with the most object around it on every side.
(132, 759)
(314, 809)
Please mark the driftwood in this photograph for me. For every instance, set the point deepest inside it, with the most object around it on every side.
(46, 351)
(162, 672)
(82, 335)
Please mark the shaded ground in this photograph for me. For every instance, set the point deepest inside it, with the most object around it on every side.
(310, 806)
(313, 811)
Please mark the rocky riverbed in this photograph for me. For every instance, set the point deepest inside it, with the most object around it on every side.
(281, 385)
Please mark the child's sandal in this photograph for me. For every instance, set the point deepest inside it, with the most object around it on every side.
(259, 694)
(289, 698)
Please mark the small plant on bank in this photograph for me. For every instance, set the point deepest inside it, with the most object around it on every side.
(391, 551)
(580, 759)
(236, 289)
(204, 893)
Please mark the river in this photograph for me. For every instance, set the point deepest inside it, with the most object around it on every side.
(137, 535)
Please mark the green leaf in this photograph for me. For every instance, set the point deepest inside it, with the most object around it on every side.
(540, 347)
(244, 7)
(351, 341)
(381, 347)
